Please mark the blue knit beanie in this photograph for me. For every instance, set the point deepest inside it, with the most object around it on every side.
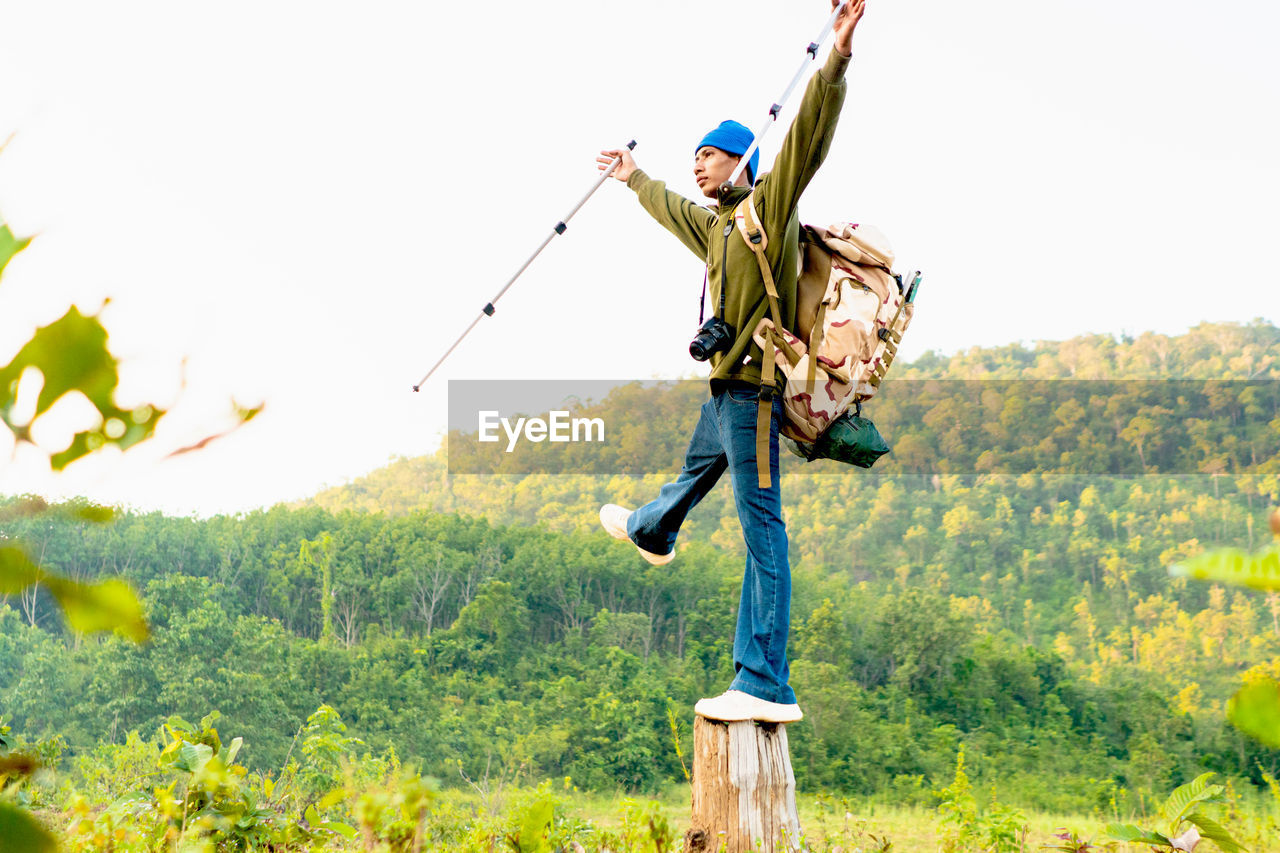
(734, 138)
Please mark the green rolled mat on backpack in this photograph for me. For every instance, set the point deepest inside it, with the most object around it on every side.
(851, 439)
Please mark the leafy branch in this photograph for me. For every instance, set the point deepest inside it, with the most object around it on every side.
(1182, 808)
(1255, 708)
(67, 359)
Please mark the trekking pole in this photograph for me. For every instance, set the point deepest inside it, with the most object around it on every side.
(811, 53)
(559, 228)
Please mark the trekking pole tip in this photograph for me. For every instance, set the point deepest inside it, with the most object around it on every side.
(415, 388)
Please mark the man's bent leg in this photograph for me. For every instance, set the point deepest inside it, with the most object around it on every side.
(654, 526)
(764, 613)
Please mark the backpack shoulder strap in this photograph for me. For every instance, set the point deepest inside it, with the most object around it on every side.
(744, 215)
(749, 225)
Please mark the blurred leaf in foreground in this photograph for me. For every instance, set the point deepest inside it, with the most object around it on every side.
(21, 833)
(70, 354)
(29, 506)
(242, 415)
(1236, 566)
(67, 357)
(1255, 710)
(109, 605)
(9, 245)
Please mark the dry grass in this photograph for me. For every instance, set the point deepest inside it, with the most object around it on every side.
(910, 829)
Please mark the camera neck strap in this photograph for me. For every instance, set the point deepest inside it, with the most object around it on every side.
(724, 278)
(724, 267)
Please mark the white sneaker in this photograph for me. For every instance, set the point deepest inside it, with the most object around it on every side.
(614, 520)
(734, 705)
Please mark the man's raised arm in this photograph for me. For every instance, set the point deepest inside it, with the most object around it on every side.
(676, 213)
(809, 137)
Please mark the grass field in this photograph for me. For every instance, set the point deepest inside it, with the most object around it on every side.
(860, 825)
(484, 820)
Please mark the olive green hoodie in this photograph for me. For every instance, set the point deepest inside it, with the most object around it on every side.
(777, 193)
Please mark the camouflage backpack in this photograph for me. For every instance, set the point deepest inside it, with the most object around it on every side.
(851, 312)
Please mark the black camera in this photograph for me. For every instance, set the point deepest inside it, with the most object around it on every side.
(713, 336)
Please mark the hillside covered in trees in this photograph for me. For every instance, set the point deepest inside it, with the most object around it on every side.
(1018, 604)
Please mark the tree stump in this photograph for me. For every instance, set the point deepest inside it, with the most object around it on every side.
(744, 793)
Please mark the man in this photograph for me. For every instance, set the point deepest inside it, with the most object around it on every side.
(725, 436)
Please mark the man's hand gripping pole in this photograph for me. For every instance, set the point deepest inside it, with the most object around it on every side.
(558, 229)
(811, 53)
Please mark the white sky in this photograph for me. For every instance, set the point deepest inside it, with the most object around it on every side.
(309, 201)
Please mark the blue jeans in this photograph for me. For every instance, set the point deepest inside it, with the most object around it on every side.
(725, 438)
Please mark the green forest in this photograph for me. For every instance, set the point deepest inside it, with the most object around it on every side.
(980, 611)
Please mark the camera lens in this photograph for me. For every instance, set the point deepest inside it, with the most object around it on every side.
(714, 335)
